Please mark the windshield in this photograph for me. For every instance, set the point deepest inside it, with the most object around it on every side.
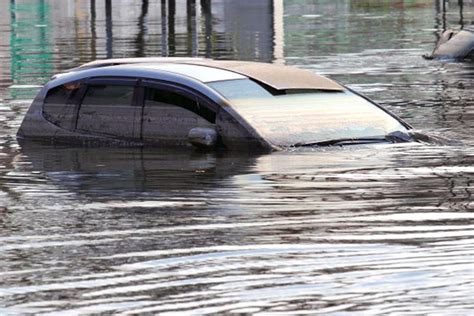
(289, 119)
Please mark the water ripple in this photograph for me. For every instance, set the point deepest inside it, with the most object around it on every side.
(358, 230)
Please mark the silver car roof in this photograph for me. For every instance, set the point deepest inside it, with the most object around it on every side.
(147, 71)
(278, 77)
(134, 60)
(153, 70)
(201, 73)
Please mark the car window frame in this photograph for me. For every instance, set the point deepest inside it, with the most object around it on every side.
(138, 99)
(113, 81)
(175, 88)
(179, 89)
(74, 101)
(118, 81)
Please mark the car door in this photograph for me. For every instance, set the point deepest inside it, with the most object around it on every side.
(170, 112)
(108, 108)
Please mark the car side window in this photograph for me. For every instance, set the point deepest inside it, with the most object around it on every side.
(108, 109)
(157, 97)
(59, 108)
(113, 95)
(58, 95)
(168, 116)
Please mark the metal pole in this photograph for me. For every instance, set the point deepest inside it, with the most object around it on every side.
(13, 38)
(278, 32)
(206, 11)
(108, 28)
(171, 29)
(142, 30)
(164, 30)
(191, 27)
(93, 30)
(437, 20)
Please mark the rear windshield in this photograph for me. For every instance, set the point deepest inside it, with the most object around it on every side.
(306, 117)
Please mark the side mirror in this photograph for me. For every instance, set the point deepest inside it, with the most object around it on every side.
(203, 137)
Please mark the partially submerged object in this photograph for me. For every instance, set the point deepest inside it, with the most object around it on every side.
(206, 103)
(455, 45)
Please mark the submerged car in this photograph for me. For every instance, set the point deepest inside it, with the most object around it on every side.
(206, 103)
(455, 45)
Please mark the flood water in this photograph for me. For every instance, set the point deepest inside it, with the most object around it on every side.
(362, 229)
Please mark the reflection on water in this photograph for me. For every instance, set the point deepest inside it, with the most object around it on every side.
(152, 231)
(365, 229)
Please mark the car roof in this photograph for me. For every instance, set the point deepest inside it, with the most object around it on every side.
(278, 77)
(198, 72)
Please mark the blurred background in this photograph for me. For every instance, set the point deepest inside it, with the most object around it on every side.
(43, 37)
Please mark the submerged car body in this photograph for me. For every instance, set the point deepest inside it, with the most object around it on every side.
(208, 103)
(455, 45)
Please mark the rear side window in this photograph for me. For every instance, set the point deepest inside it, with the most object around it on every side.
(58, 95)
(110, 95)
(62, 94)
(156, 98)
(59, 106)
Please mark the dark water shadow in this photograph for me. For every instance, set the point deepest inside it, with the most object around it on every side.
(129, 171)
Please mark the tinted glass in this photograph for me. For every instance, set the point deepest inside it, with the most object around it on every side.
(109, 95)
(310, 117)
(59, 107)
(240, 89)
(58, 95)
(156, 97)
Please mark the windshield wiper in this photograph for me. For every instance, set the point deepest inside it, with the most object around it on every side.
(341, 141)
(394, 137)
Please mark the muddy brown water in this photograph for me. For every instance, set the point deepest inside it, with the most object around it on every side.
(384, 229)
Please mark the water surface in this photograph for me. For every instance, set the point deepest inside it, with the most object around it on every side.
(363, 229)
